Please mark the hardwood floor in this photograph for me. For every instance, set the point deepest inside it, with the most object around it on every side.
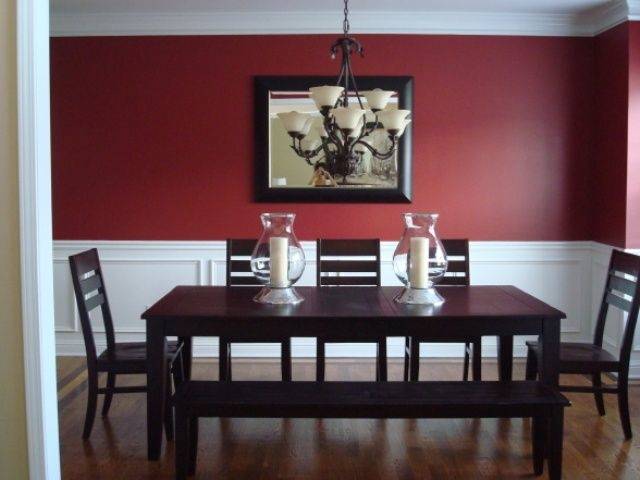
(341, 449)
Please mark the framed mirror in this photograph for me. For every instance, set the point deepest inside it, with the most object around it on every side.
(284, 175)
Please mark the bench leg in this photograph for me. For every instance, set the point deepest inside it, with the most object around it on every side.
(225, 360)
(415, 360)
(556, 434)
(381, 361)
(539, 427)
(465, 365)
(532, 365)
(407, 358)
(477, 360)
(286, 360)
(320, 359)
(193, 445)
(181, 447)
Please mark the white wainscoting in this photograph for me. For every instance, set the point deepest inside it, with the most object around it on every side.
(138, 273)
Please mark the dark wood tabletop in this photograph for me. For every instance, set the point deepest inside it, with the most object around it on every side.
(188, 311)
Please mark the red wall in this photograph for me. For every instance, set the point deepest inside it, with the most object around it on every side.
(610, 161)
(633, 160)
(153, 136)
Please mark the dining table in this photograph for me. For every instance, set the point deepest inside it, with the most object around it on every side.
(500, 311)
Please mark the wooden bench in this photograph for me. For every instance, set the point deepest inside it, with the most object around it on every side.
(195, 399)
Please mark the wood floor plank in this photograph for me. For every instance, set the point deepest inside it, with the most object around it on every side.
(330, 449)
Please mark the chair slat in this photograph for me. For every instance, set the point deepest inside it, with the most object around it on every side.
(457, 266)
(453, 280)
(241, 246)
(456, 247)
(364, 247)
(243, 281)
(619, 302)
(86, 261)
(625, 263)
(91, 284)
(94, 301)
(337, 281)
(622, 285)
(348, 266)
(240, 266)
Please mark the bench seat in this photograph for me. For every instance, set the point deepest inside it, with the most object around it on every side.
(196, 399)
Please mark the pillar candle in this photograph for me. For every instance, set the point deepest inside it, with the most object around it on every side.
(419, 262)
(279, 261)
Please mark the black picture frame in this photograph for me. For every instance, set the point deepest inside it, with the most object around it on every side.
(265, 193)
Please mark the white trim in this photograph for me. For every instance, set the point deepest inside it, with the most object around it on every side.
(393, 22)
(35, 238)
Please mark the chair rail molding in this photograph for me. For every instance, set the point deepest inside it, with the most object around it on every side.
(35, 239)
(567, 275)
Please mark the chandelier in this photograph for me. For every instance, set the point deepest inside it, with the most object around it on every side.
(347, 131)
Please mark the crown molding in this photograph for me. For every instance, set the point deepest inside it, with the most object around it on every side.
(395, 22)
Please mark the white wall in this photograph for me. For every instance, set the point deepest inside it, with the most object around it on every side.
(567, 275)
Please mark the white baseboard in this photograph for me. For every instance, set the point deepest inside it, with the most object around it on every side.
(567, 275)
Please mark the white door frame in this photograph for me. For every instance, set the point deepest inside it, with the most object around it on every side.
(36, 240)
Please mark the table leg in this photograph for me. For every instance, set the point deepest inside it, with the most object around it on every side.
(549, 352)
(156, 387)
(187, 355)
(505, 358)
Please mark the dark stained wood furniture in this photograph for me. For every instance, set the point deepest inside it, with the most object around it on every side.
(458, 273)
(239, 274)
(118, 358)
(540, 402)
(621, 291)
(349, 262)
(357, 312)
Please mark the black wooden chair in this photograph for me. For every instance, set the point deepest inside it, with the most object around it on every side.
(623, 293)
(119, 358)
(239, 274)
(457, 274)
(354, 263)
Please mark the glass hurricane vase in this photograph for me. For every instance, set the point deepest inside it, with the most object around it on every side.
(419, 260)
(278, 260)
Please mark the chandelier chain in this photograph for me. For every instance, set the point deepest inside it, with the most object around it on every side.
(345, 23)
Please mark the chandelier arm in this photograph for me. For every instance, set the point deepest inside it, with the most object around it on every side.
(353, 81)
(376, 153)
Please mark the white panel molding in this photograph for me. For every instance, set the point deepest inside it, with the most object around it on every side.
(392, 22)
(529, 265)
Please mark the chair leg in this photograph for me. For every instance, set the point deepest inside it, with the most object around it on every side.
(538, 428)
(465, 365)
(168, 409)
(596, 380)
(320, 359)
(108, 396)
(556, 434)
(532, 365)
(193, 445)
(381, 360)
(286, 360)
(477, 360)
(223, 358)
(407, 357)
(415, 360)
(92, 402)
(623, 404)
(182, 445)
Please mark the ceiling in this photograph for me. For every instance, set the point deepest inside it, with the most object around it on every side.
(501, 17)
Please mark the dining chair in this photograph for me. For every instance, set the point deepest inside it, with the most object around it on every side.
(119, 358)
(239, 273)
(621, 291)
(458, 274)
(353, 263)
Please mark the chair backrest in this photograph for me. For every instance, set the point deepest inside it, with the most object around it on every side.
(458, 262)
(91, 293)
(239, 272)
(348, 262)
(622, 291)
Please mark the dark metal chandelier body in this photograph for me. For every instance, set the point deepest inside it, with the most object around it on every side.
(345, 134)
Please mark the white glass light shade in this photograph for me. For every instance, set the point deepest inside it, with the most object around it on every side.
(294, 122)
(393, 119)
(377, 98)
(406, 122)
(307, 126)
(321, 131)
(347, 118)
(309, 143)
(359, 148)
(326, 95)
